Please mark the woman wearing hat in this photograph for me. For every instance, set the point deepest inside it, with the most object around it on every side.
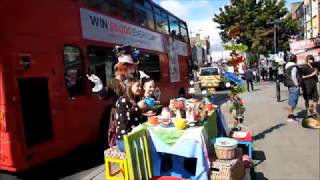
(125, 68)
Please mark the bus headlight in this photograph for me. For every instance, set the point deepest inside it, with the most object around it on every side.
(204, 92)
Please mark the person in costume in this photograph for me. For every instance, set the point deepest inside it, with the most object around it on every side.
(126, 67)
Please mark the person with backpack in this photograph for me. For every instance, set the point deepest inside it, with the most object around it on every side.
(292, 80)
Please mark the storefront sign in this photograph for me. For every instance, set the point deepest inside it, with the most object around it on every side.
(302, 56)
(99, 27)
(304, 44)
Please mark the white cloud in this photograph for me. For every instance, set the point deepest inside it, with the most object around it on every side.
(183, 9)
(205, 26)
(176, 8)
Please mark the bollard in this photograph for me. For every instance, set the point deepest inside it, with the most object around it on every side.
(278, 90)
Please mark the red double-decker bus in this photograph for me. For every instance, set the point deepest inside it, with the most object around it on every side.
(47, 47)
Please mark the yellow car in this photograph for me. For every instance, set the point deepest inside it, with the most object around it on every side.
(210, 78)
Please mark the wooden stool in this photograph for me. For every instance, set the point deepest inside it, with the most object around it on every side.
(247, 141)
(113, 155)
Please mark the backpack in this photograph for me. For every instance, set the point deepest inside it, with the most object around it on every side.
(288, 82)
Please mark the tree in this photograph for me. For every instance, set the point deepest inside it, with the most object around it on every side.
(252, 17)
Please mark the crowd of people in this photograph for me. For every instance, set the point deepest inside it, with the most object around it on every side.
(296, 77)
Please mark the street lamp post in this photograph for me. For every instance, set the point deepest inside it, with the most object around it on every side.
(275, 39)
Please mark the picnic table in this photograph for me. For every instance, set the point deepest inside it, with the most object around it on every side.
(192, 142)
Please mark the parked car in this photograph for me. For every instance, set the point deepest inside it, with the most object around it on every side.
(211, 78)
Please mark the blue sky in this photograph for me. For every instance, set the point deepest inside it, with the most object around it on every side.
(198, 15)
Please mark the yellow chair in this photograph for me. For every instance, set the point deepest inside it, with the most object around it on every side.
(113, 156)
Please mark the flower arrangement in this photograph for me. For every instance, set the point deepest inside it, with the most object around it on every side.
(237, 105)
(237, 108)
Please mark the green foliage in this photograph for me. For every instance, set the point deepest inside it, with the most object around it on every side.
(253, 19)
(252, 59)
(240, 109)
(236, 47)
(237, 89)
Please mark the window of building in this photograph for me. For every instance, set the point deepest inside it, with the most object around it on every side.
(126, 9)
(150, 64)
(73, 71)
(174, 27)
(101, 62)
(143, 15)
(162, 24)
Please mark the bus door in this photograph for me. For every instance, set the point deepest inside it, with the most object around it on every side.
(34, 104)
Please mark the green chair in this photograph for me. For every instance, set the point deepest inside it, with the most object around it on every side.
(138, 157)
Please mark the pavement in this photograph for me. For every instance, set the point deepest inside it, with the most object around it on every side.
(282, 150)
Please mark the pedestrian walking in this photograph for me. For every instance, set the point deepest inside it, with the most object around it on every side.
(248, 76)
(264, 73)
(291, 80)
(255, 75)
(270, 74)
(309, 85)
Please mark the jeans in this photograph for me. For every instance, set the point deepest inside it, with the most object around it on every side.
(294, 93)
(120, 144)
(249, 82)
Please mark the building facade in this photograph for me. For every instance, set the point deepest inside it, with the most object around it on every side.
(200, 50)
(297, 11)
(307, 42)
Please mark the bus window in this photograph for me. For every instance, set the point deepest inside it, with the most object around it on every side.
(150, 64)
(143, 16)
(101, 62)
(73, 69)
(174, 27)
(109, 6)
(184, 32)
(126, 9)
(162, 24)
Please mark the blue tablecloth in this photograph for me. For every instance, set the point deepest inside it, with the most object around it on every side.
(192, 144)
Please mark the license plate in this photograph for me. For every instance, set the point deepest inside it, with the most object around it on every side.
(211, 90)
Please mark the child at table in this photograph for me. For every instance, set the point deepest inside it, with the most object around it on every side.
(149, 90)
(128, 110)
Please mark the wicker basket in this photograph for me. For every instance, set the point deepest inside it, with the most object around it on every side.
(228, 169)
(225, 152)
(233, 171)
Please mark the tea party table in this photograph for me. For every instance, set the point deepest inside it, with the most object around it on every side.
(188, 143)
